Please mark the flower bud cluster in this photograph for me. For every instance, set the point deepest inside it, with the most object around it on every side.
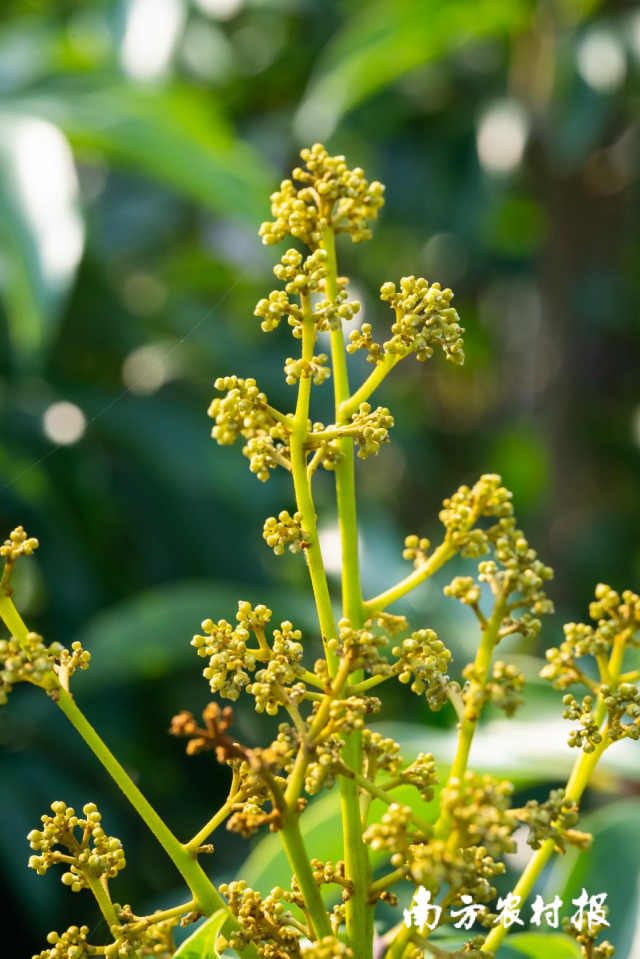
(264, 454)
(586, 936)
(72, 944)
(391, 834)
(19, 544)
(613, 614)
(262, 921)
(323, 772)
(283, 668)
(316, 368)
(465, 589)
(380, 754)
(473, 949)
(622, 703)
(240, 413)
(231, 660)
(285, 531)
(331, 195)
(462, 510)
(625, 610)
(561, 668)
(371, 429)
(75, 658)
(515, 575)
(424, 319)
(302, 278)
(422, 774)
(521, 572)
(623, 716)
(329, 947)
(155, 942)
(330, 314)
(33, 663)
(422, 661)
(505, 688)
(466, 871)
(479, 808)
(588, 737)
(362, 646)
(550, 819)
(326, 873)
(416, 549)
(95, 855)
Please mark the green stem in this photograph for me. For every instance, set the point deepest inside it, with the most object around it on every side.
(104, 902)
(578, 781)
(467, 730)
(582, 772)
(299, 861)
(389, 880)
(215, 821)
(314, 440)
(146, 921)
(370, 385)
(304, 498)
(383, 795)
(438, 558)
(12, 619)
(358, 909)
(473, 704)
(203, 890)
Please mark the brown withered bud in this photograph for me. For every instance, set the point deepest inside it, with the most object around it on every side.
(213, 736)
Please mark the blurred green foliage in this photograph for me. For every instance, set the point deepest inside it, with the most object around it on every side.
(138, 144)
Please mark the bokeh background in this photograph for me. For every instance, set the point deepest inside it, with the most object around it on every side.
(139, 142)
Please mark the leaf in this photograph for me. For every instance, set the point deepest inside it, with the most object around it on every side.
(388, 40)
(498, 749)
(536, 945)
(202, 943)
(41, 229)
(174, 134)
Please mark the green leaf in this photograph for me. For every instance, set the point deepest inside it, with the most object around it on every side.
(385, 41)
(175, 134)
(41, 229)
(202, 943)
(536, 945)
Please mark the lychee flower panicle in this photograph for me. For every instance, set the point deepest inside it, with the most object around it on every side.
(424, 319)
(330, 195)
(95, 855)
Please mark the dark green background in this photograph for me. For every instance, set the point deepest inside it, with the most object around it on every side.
(147, 527)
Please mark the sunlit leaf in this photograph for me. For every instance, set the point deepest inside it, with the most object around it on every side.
(175, 134)
(41, 229)
(202, 943)
(384, 41)
(536, 945)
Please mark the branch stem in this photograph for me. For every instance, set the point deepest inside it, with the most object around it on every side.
(370, 385)
(438, 558)
(578, 781)
(358, 909)
(204, 892)
(473, 703)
